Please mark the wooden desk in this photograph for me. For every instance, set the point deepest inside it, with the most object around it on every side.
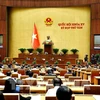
(84, 97)
(81, 74)
(97, 80)
(86, 75)
(68, 83)
(38, 89)
(43, 89)
(11, 96)
(42, 83)
(77, 89)
(77, 97)
(77, 72)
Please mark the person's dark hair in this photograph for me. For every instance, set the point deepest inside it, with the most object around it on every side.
(10, 86)
(8, 73)
(57, 81)
(15, 70)
(69, 70)
(50, 71)
(25, 98)
(1, 96)
(30, 74)
(27, 72)
(64, 93)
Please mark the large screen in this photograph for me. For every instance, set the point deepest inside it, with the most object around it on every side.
(96, 41)
(1, 40)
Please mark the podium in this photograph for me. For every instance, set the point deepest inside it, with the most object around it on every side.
(48, 48)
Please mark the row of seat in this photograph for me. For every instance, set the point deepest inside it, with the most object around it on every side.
(25, 82)
(62, 72)
(16, 96)
(88, 89)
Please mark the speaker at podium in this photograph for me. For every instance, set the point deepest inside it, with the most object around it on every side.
(48, 45)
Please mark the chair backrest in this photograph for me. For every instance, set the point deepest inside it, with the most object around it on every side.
(48, 77)
(11, 96)
(72, 78)
(54, 97)
(24, 76)
(2, 81)
(94, 73)
(81, 82)
(50, 81)
(14, 75)
(24, 88)
(62, 72)
(67, 75)
(83, 69)
(35, 71)
(35, 75)
(29, 82)
(92, 89)
(2, 76)
(88, 70)
(6, 70)
(21, 71)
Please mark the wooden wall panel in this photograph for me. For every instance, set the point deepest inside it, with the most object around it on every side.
(9, 2)
(47, 3)
(92, 42)
(0, 2)
(95, 26)
(94, 51)
(95, 15)
(5, 42)
(50, 3)
(2, 27)
(2, 53)
(94, 1)
(95, 8)
(0, 13)
(3, 24)
(17, 4)
(3, 13)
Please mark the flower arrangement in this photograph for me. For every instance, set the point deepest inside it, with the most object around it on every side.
(64, 51)
(56, 62)
(30, 50)
(68, 63)
(4, 61)
(24, 62)
(46, 62)
(78, 62)
(34, 62)
(74, 51)
(39, 50)
(22, 50)
(55, 50)
(89, 63)
(13, 61)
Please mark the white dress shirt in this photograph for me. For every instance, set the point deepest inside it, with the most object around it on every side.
(52, 92)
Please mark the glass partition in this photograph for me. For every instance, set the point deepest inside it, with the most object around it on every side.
(96, 41)
(1, 41)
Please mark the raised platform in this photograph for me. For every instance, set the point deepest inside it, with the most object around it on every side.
(42, 58)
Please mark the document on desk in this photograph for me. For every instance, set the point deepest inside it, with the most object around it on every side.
(36, 97)
(96, 97)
